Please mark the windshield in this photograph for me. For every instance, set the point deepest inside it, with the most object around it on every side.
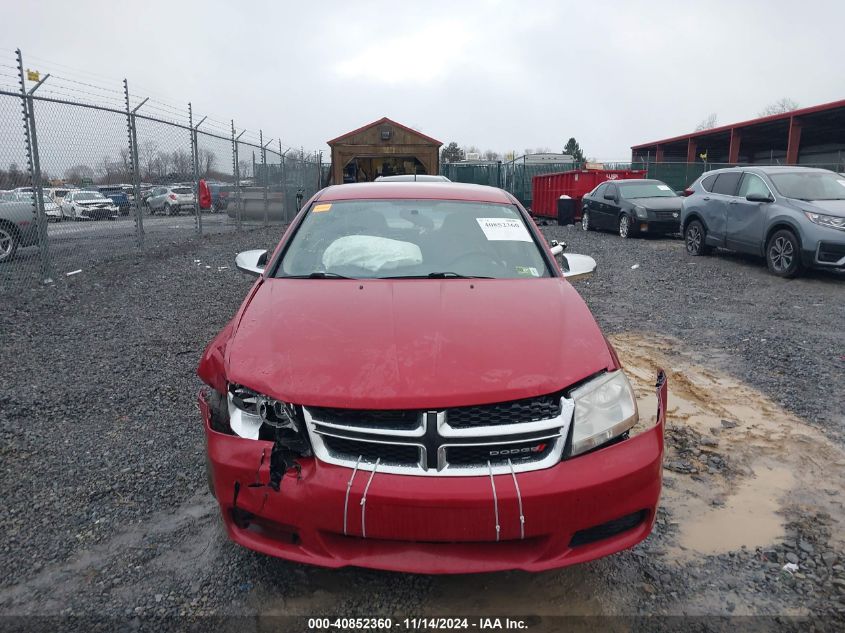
(646, 190)
(810, 185)
(89, 195)
(371, 239)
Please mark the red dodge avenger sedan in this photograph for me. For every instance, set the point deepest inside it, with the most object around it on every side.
(413, 384)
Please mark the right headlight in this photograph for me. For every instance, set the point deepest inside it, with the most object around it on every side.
(833, 221)
(605, 407)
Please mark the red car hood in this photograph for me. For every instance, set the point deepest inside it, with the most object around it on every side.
(413, 343)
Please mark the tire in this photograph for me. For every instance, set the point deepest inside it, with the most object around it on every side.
(625, 230)
(585, 221)
(75, 217)
(783, 254)
(168, 210)
(694, 235)
(9, 242)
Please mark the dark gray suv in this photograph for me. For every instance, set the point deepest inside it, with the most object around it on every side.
(792, 216)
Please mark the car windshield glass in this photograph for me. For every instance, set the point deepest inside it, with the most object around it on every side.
(373, 239)
(646, 190)
(810, 185)
(82, 197)
(181, 190)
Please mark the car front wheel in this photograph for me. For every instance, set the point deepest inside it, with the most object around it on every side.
(783, 254)
(625, 226)
(8, 243)
(694, 236)
(585, 221)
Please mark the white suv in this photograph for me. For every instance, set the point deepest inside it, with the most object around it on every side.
(172, 200)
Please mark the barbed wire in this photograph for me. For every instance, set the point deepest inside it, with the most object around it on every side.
(78, 85)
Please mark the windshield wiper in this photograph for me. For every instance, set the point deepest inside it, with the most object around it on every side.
(438, 275)
(318, 274)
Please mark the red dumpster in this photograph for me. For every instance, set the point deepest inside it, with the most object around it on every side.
(547, 188)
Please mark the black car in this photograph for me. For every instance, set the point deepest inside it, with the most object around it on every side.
(631, 207)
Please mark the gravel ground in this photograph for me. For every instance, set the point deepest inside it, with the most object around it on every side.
(107, 512)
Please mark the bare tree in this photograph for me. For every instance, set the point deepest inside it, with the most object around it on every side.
(181, 163)
(491, 155)
(779, 107)
(125, 160)
(147, 155)
(206, 162)
(162, 164)
(78, 174)
(707, 123)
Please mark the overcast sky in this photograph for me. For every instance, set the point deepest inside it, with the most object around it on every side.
(500, 75)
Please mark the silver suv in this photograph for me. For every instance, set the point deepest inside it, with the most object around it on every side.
(792, 216)
(171, 200)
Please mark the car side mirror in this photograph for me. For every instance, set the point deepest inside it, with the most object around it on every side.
(251, 262)
(556, 247)
(577, 266)
(610, 196)
(759, 197)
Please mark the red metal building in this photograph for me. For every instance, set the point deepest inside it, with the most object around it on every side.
(814, 135)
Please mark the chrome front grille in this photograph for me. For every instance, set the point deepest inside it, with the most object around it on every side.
(667, 215)
(518, 436)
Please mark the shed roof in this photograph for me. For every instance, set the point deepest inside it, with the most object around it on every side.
(382, 121)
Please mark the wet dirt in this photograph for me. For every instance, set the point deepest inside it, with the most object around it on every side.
(735, 461)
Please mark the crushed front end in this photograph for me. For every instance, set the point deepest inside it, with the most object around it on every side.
(511, 485)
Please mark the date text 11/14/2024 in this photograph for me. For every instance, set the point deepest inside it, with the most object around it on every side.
(417, 624)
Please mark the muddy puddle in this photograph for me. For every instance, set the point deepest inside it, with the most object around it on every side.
(736, 463)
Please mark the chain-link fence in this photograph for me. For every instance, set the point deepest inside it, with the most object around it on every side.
(89, 171)
(516, 176)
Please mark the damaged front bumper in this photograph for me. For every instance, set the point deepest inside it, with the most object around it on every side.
(579, 510)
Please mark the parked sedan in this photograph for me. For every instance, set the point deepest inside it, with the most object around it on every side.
(52, 210)
(117, 195)
(792, 216)
(375, 403)
(17, 226)
(172, 200)
(632, 207)
(88, 205)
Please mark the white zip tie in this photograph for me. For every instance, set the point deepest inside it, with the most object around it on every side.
(348, 488)
(519, 499)
(495, 500)
(364, 500)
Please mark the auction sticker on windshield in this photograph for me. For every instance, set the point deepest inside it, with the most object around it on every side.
(503, 229)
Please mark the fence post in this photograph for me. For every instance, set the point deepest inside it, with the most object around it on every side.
(35, 170)
(236, 172)
(136, 167)
(320, 170)
(265, 180)
(285, 206)
(195, 158)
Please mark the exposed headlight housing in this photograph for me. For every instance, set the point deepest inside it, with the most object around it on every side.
(641, 212)
(605, 407)
(832, 221)
(249, 410)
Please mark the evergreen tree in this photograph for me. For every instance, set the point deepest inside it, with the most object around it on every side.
(573, 149)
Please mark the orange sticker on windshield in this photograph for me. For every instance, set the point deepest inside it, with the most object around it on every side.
(321, 207)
